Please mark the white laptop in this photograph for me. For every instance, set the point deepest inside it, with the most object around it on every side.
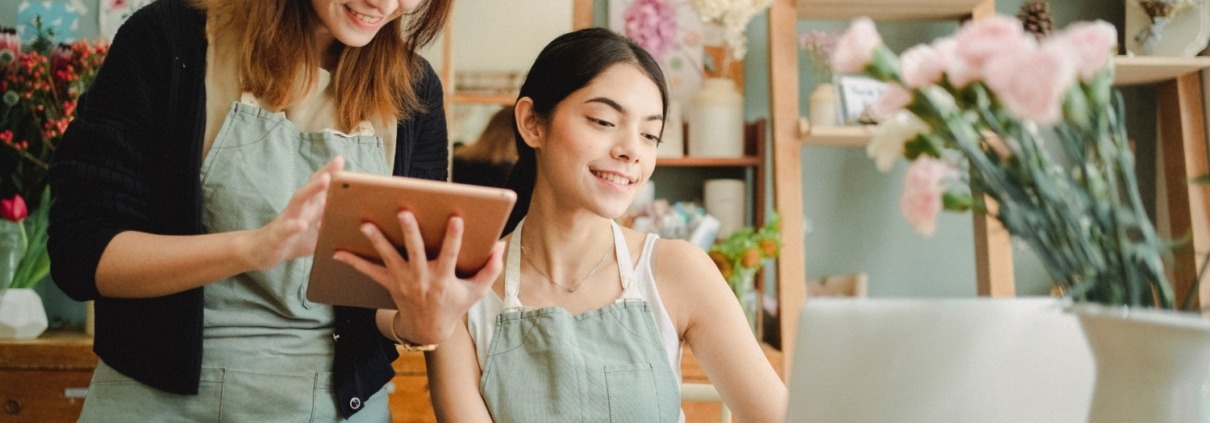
(939, 360)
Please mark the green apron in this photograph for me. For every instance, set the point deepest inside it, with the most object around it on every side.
(605, 365)
(267, 352)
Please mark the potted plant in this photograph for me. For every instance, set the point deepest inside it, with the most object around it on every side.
(40, 84)
(740, 255)
(821, 104)
(1037, 128)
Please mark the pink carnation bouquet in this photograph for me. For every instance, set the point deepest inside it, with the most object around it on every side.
(1036, 127)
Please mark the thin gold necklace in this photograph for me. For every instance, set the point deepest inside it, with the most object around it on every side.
(572, 289)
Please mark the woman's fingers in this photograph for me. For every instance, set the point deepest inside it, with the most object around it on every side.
(451, 245)
(378, 273)
(482, 280)
(386, 250)
(413, 241)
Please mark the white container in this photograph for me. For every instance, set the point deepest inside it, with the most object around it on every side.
(672, 143)
(21, 314)
(716, 120)
(724, 199)
(822, 108)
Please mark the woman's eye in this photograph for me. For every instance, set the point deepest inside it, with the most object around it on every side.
(653, 137)
(600, 122)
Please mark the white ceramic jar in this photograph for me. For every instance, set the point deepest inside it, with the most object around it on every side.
(716, 120)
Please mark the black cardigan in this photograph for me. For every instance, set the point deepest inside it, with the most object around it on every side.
(131, 161)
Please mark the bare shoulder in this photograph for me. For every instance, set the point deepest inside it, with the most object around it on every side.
(683, 258)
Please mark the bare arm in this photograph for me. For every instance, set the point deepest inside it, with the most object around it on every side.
(717, 331)
(141, 265)
(454, 374)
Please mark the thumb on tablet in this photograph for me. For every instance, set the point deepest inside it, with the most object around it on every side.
(482, 281)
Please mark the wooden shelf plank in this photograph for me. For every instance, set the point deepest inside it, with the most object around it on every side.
(1139, 70)
(502, 99)
(747, 161)
(838, 136)
(884, 10)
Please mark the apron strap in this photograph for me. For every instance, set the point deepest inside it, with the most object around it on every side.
(512, 270)
(625, 267)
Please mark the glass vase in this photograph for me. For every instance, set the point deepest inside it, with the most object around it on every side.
(12, 247)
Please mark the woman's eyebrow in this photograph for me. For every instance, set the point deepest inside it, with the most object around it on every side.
(609, 102)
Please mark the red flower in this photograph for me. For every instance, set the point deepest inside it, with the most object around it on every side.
(13, 208)
(10, 41)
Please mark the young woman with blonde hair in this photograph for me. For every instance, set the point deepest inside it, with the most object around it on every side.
(188, 192)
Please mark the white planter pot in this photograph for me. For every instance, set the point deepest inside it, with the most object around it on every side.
(822, 107)
(716, 120)
(21, 314)
(1152, 365)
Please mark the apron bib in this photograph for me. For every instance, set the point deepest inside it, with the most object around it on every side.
(605, 365)
(267, 351)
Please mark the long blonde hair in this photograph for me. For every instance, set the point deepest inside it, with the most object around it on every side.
(278, 52)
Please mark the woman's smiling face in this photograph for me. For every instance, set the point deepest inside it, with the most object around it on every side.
(600, 146)
(355, 22)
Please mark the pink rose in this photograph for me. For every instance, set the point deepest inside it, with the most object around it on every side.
(980, 40)
(922, 190)
(1091, 43)
(959, 73)
(893, 100)
(856, 47)
(13, 208)
(1031, 83)
(921, 65)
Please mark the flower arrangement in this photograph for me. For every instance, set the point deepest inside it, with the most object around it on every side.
(741, 254)
(1035, 126)
(819, 45)
(733, 16)
(40, 84)
(652, 25)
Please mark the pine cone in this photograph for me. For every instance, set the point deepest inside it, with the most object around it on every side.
(1036, 18)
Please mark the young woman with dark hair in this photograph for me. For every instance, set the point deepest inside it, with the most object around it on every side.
(188, 193)
(588, 319)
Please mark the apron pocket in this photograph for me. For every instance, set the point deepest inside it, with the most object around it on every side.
(114, 397)
(632, 393)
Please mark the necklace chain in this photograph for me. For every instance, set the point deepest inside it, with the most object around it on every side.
(571, 289)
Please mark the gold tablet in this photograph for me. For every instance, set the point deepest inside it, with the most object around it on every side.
(355, 198)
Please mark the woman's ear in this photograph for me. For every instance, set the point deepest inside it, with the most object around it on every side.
(528, 123)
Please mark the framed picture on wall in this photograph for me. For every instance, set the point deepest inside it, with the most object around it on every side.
(857, 94)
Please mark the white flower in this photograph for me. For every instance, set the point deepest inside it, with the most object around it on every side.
(887, 143)
(733, 15)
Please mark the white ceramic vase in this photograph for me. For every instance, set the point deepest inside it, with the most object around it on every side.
(716, 120)
(672, 142)
(1151, 365)
(822, 108)
(21, 314)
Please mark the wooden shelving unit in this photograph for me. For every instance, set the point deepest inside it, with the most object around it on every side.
(992, 248)
(837, 136)
(501, 99)
(748, 161)
(890, 10)
(1146, 70)
(1181, 129)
